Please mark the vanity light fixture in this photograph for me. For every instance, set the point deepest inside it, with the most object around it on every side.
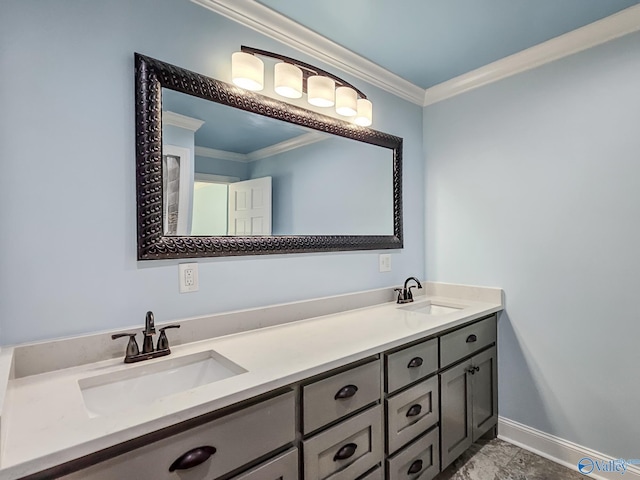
(292, 78)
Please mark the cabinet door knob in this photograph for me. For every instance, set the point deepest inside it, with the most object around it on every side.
(345, 452)
(192, 458)
(415, 467)
(347, 391)
(414, 410)
(415, 362)
(472, 338)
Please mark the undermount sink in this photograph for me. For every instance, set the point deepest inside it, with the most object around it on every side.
(429, 308)
(142, 384)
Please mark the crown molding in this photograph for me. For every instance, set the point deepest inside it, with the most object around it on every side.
(220, 154)
(274, 25)
(609, 28)
(182, 121)
(270, 151)
(295, 142)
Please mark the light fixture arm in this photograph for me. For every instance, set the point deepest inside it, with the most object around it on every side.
(307, 69)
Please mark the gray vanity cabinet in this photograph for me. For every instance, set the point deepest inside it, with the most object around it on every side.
(469, 403)
(408, 421)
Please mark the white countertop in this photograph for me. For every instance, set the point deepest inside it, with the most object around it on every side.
(45, 422)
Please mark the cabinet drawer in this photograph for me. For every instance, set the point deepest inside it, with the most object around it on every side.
(347, 450)
(460, 343)
(411, 364)
(411, 413)
(283, 467)
(375, 475)
(334, 397)
(419, 461)
(238, 438)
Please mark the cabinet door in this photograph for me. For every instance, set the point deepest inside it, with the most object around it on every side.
(456, 412)
(484, 387)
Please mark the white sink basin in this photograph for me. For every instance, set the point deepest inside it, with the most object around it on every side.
(142, 384)
(429, 308)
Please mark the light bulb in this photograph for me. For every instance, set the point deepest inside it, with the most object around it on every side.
(247, 71)
(346, 101)
(321, 91)
(287, 80)
(364, 116)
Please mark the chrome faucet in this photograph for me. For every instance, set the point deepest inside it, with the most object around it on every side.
(404, 294)
(133, 353)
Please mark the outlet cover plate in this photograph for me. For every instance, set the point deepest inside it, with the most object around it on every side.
(188, 277)
(385, 262)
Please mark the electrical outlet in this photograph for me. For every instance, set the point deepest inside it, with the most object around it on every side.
(188, 277)
(385, 262)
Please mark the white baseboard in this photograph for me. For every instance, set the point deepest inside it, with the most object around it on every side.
(559, 450)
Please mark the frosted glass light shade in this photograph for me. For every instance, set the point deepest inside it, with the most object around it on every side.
(364, 117)
(346, 101)
(247, 71)
(321, 91)
(287, 80)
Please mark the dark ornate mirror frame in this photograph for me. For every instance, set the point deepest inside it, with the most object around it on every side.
(151, 76)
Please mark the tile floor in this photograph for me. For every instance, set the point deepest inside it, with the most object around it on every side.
(494, 459)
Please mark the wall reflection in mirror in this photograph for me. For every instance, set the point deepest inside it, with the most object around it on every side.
(230, 172)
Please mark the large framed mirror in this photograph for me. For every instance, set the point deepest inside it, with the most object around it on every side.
(222, 171)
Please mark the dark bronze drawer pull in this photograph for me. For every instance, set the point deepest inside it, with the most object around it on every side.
(345, 452)
(415, 467)
(414, 410)
(346, 392)
(415, 362)
(472, 338)
(192, 458)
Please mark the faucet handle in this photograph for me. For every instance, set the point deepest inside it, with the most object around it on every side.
(409, 293)
(163, 341)
(400, 294)
(132, 346)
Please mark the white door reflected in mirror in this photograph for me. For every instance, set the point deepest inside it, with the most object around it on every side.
(250, 207)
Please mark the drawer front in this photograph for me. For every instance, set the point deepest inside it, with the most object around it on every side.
(283, 467)
(347, 450)
(419, 461)
(334, 397)
(460, 343)
(411, 364)
(411, 413)
(238, 438)
(375, 475)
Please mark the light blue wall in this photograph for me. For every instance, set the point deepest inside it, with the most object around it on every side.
(337, 186)
(218, 166)
(67, 188)
(533, 185)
